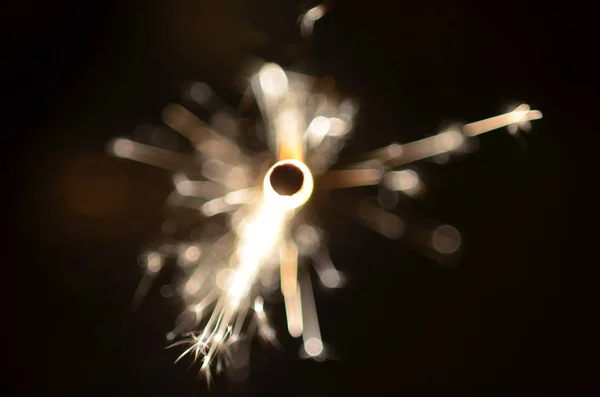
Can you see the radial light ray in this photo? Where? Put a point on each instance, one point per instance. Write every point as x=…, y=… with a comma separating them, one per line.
x=251, y=236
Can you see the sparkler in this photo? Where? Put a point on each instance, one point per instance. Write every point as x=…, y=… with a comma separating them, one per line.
x=261, y=197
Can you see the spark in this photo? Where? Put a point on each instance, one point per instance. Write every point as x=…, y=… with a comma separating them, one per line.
x=261, y=196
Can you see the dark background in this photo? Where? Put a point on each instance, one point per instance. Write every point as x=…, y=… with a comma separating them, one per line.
x=513, y=319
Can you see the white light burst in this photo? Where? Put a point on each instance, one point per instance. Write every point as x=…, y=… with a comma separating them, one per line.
x=259, y=200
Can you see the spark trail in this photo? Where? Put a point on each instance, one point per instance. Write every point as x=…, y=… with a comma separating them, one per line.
x=256, y=199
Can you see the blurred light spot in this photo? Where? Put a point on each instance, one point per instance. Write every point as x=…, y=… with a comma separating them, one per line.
x=154, y=262
x=446, y=239
x=258, y=304
x=394, y=150
x=176, y=116
x=331, y=278
x=338, y=127
x=122, y=147
x=449, y=140
x=405, y=181
x=185, y=188
x=192, y=253
x=179, y=177
x=317, y=130
x=313, y=347
x=167, y=291
x=273, y=80
x=200, y=92
x=307, y=239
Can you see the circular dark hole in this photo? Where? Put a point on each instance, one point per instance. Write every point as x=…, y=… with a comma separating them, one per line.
x=286, y=179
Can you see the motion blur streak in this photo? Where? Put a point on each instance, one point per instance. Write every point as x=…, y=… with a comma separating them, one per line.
x=248, y=203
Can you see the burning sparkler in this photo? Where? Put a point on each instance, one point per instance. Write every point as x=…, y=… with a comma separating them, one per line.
x=261, y=196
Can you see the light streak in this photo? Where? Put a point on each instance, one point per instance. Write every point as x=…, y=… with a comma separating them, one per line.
x=445, y=142
x=224, y=277
x=308, y=19
x=147, y=154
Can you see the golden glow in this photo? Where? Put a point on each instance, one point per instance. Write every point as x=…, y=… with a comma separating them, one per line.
x=289, y=269
x=259, y=235
x=288, y=128
x=296, y=200
x=288, y=266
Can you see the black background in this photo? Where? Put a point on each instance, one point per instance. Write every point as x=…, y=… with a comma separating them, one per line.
x=513, y=319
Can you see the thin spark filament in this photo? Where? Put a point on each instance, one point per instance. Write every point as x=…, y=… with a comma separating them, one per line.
x=396, y=155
